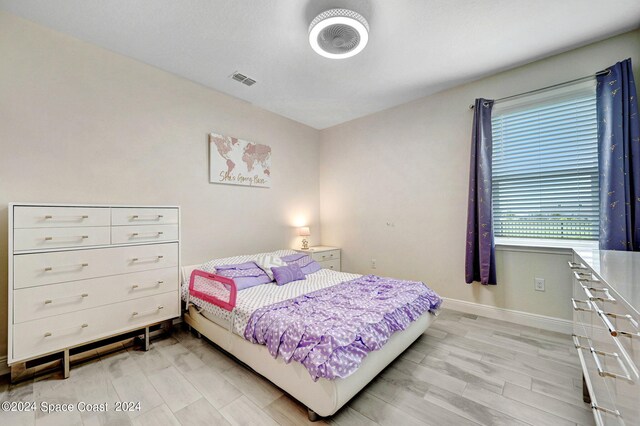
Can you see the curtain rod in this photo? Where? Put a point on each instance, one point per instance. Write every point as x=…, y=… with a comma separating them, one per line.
x=577, y=80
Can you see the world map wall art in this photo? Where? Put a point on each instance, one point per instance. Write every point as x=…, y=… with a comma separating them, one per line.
x=235, y=161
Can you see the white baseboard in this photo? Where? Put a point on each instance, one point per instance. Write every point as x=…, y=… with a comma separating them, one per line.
x=4, y=368
x=518, y=317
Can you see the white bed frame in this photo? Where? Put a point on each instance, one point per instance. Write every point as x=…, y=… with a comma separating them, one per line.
x=322, y=398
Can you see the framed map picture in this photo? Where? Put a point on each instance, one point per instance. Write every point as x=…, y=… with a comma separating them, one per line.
x=233, y=161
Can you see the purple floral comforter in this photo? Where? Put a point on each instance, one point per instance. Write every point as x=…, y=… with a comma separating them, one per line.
x=330, y=331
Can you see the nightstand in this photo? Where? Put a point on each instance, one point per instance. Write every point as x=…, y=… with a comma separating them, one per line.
x=327, y=257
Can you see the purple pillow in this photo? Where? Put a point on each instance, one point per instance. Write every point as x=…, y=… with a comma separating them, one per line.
x=244, y=275
x=286, y=274
x=304, y=261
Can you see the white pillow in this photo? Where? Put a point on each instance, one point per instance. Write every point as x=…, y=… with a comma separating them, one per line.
x=267, y=261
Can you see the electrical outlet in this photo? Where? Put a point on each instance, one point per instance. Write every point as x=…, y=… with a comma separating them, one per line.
x=373, y=264
x=538, y=284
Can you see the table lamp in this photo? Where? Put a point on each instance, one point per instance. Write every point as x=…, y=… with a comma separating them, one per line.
x=304, y=232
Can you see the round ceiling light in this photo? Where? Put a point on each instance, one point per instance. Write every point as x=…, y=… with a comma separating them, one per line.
x=338, y=33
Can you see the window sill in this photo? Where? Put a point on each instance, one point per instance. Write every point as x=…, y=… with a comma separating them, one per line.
x=543, y=245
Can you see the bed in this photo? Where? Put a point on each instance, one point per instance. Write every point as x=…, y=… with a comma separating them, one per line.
x=323, y=393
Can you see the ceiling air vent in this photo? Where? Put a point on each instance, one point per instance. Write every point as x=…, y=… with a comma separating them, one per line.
x=243, y=79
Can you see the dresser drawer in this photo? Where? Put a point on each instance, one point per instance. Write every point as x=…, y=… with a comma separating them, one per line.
x=627, y=397
x=601, y=395
x=326, y=255
x=56, y=299
x=331, y=264
x=626, y=326
x=56, y=217
x=35, y=338
x=49, y=268
x=48, y=238
x=143, y=216
x=583, y=314
x=143, y=233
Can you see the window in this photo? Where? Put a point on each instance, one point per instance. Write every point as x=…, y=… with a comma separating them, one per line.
x=545, y=165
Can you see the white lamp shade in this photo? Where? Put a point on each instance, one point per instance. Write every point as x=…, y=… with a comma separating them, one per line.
x=304, y=231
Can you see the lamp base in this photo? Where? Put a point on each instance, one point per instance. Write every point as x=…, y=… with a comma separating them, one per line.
x=305, y=244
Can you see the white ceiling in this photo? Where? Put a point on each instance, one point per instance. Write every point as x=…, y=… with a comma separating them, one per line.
x=416, y=47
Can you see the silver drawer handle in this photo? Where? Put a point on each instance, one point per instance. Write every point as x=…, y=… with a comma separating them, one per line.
x=50, y=333
x=150, y=259
x=81, y=217
x=580, y=276
x=631, y=320
x=137, y=287
x=82, y=296
x=629, y=334
x=137, y=234
x=596, y=407
x=147, y=217
x=574, y=265
x=78, y=237
x=576, y=341
x=607, y=323
x=608, y=298
x=585, y=277
x=575, y=302
x=604, y=373
x=590, y=296
x=152, y=311
x=81, y=265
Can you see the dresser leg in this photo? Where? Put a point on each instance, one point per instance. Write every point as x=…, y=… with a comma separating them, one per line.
x=146, y=339
x=312, y=415
x=167, y=327
x=585, y=391
x=19, y=372
x=65, y=364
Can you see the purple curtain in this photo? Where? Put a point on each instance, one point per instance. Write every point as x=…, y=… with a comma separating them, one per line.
x=619, y=158
x=480, y=255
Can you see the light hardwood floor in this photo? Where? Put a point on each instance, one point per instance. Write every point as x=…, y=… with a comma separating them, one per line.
x=465, y=370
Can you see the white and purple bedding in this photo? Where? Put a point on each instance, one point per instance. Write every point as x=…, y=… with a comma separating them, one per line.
x=328, y=322
x=330, y=331
x=251, y=299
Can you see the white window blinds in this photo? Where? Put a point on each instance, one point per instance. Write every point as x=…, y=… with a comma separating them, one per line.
x=545, y=165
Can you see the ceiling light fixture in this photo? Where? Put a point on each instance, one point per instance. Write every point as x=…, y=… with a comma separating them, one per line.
x=338, y=33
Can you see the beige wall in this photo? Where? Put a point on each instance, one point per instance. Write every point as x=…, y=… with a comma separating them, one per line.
x=409, y=166
x=79, y=124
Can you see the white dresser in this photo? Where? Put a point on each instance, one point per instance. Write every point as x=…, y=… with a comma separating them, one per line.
x=327, y=257
x=81, y=273
x=606, y=304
